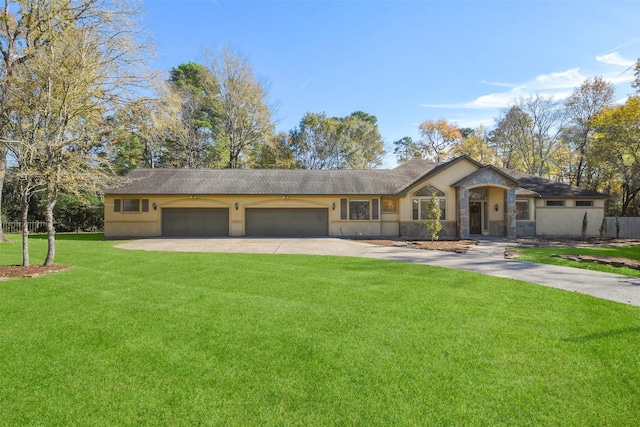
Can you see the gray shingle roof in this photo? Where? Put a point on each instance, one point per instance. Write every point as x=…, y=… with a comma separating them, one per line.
x=548, y=188
x=265, y=181
x=311, y=182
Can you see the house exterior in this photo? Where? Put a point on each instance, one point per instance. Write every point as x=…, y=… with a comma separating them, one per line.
x=475, y=199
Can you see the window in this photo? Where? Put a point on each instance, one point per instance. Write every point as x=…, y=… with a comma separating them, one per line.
x=420, y=209
x=584, y=203
x=522, y=210
x=421, y=201
x=555, y=203
x=131, y=205
x=389, y=205
x=478, y=194
x=360, y=209
x=428, y=190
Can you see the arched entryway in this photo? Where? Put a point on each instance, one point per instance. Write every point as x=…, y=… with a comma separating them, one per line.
x=486, y=201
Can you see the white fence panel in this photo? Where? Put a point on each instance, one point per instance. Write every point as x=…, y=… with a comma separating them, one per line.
x=15, y=227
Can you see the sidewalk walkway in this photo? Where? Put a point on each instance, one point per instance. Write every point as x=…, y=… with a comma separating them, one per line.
x=486, y=258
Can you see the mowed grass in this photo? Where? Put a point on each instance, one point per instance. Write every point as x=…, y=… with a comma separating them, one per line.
x=543, y=256
x=149, y=338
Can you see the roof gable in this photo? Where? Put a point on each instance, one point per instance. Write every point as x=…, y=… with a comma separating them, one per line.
x=487, y=175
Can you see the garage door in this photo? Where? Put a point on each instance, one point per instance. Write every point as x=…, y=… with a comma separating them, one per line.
x=287, y=222
x=197, y=222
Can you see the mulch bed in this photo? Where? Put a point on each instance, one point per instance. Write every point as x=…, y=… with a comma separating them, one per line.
x=605, y=260
x=13, y=271
x=458, y=246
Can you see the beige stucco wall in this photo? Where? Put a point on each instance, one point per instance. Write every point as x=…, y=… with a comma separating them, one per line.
x=149, y=224
x=567, y=221
x=442, y=181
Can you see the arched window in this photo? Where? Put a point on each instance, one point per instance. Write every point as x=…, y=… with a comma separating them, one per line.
x=420, y=200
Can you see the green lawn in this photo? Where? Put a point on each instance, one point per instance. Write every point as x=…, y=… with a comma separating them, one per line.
x=144, y=338
x=542, y=256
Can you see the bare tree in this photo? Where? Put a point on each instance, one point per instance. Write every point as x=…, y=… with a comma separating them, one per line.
x=245, y=113
x=528, y=134
x=60, y=95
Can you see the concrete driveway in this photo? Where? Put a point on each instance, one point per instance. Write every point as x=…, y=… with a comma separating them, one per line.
x=486, y=258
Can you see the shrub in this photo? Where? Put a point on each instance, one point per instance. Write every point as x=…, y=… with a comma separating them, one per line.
x=432, y=225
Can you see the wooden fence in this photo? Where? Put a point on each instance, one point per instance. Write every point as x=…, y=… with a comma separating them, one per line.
x=629, y=227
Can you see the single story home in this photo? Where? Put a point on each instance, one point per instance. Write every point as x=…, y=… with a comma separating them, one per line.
x=475, y=199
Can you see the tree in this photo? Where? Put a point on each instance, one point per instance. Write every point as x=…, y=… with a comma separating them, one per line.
x=87, y=58
x=360, y=143
x=584, y=103
x=406, y=149
x=244, y=112
x=527, y=135
x=475, y=145
x=432, y=224
x=322, y=142
x=200, y=143
x=145, y=132
x=617, y=143
x=437, y=138
x=275, y=153
x=314, y=143
x=636, y=82
x=513, y=130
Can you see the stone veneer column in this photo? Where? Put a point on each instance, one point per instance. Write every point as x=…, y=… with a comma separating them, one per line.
x=510, y=214
x=463, y=203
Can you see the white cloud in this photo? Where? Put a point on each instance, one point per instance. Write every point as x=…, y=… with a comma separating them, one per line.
x=614, y=58
x=559, y=85
x=562, y=80
x=493, y=100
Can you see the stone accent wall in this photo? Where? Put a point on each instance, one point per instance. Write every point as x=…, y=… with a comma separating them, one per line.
x=496, y=228
x=525, y=228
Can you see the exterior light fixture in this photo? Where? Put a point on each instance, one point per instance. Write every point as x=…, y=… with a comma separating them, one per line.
x=496, y=207
x=154, y=206
x=334, y=206
x=236, y=205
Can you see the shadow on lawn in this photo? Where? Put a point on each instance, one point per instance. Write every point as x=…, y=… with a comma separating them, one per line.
x=86, y=237
x=605, y=334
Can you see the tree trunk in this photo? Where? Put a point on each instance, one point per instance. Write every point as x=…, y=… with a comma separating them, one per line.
x=51, y=231
x=24, y=201
x=3, y=171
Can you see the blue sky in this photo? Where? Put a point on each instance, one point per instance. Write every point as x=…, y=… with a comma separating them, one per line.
x=407, y=61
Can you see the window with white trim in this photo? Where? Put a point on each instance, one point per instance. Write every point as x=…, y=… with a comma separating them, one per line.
x=360, y=209
x=420, y=201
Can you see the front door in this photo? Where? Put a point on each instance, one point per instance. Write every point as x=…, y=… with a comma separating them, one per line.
x=475, y=217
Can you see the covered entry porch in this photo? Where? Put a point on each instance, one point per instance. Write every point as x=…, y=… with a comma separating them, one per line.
x=486, y=204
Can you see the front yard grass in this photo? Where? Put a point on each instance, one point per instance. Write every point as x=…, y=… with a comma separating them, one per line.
x=152, y=338
x=542, y=255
